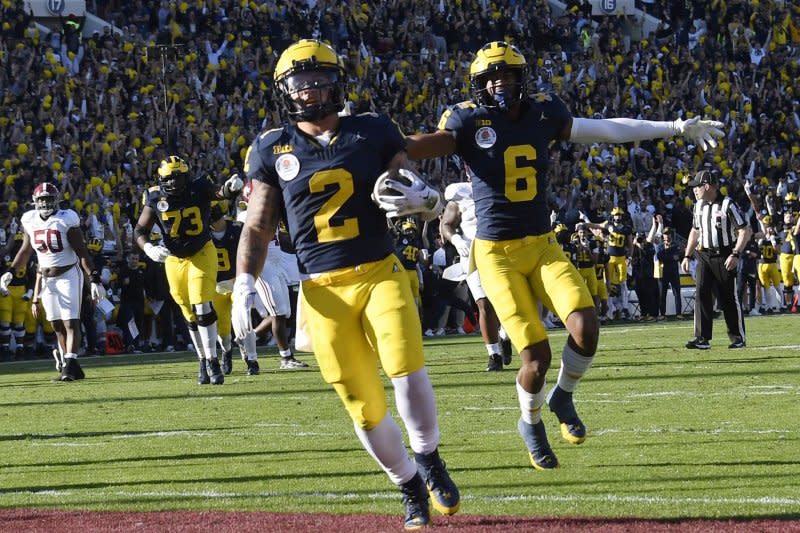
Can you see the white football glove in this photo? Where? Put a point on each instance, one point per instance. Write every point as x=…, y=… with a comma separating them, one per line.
x=748, y=187
x=406, y=194
x=245, y=298
x=460, y=245
x=5, y=281
x=702, y=132
x=232, y=186
x=98, y=292
x=28, y=295
x=157, y=253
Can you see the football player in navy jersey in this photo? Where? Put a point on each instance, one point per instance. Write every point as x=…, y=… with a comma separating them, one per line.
x=225, y=235
x=407, y=246
x=319, y=172
x=620, y=248
x=181, y=208
x=504, y=135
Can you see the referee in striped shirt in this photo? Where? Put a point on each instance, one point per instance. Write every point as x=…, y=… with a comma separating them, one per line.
x=719, y=234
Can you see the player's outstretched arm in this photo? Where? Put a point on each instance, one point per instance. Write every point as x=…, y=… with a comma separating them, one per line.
x=428, y=145
x=620, y=130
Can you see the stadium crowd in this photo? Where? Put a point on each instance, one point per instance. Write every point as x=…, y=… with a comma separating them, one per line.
x=90, y=113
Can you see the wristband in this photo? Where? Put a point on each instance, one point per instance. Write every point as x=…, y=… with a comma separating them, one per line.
x=735, y=254
x=95, y=276
x=689, y=257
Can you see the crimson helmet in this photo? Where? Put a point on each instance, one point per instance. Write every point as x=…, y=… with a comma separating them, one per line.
x=45, y=199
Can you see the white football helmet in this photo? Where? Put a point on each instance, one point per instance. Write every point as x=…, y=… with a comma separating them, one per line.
x=45, y=199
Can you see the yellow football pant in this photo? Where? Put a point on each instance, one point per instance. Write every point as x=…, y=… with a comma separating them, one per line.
x=617, y=269
x=518, y=273
x=193, y=280
x=361, y=316
x=768, y=275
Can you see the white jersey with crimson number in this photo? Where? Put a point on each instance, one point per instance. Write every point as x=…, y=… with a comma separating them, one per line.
x=49, y=236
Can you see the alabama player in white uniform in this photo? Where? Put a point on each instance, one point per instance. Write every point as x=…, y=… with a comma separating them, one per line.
x=279, y=271
x=55, y=235
x=460, y=215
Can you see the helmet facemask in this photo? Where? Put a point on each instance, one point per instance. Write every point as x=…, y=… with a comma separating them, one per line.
x=45, y=204
x=173, y=175
x=316, y=80
x=507, y=96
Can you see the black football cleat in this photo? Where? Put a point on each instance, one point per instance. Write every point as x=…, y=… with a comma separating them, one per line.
x=202, y=375
x=495, y=363
x=444, y=493
x=539, y=451
x=252, y=367
x=227, y=362
x=72, y=370
x=560, y=402
x=505, y=344
x=215, y=372
x=415, y=498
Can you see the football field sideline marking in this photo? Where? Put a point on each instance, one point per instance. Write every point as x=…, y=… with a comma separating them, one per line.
x=332, y=496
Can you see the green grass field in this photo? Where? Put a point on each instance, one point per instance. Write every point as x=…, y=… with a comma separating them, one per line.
x=673, y=433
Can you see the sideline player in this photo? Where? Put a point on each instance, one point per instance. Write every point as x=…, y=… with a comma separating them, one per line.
x=15, y=304
x=504, y=135
x=181, y=208
x=55, y=235
x=620, y=247
x=407, y=246
x=320, y=171
x=458, y=225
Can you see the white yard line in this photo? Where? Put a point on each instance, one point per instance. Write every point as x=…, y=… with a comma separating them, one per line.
x=333, y=496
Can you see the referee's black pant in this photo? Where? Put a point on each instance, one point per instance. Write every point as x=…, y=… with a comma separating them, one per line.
x=710, y=274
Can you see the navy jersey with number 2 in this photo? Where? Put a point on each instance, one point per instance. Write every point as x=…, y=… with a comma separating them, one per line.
x=326, y=190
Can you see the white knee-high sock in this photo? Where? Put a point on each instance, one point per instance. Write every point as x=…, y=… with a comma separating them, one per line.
x=385, y=444
x=247, y=347
x=198, y=346
x=208, y=338
x=416, y=405
x=225, y=342
x=531, y=404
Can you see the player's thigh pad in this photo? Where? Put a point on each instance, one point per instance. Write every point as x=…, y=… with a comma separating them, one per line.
x=222, y=305
x=559, y=285
x=413, y=282
x=786, y=269
x=61, y=295
x=18, y=306
x=5, y=307
x=202, y=274
x=504, y=268
x=590, y=278
x=618, y=269
x=359, y=316
x=278, y=295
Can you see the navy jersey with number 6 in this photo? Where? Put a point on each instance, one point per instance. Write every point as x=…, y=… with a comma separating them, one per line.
x=184, y=220
x=326, y=191
x=510, y=160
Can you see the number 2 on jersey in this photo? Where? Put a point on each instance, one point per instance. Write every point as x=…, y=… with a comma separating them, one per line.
x=348, y=228
x=520, y=178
